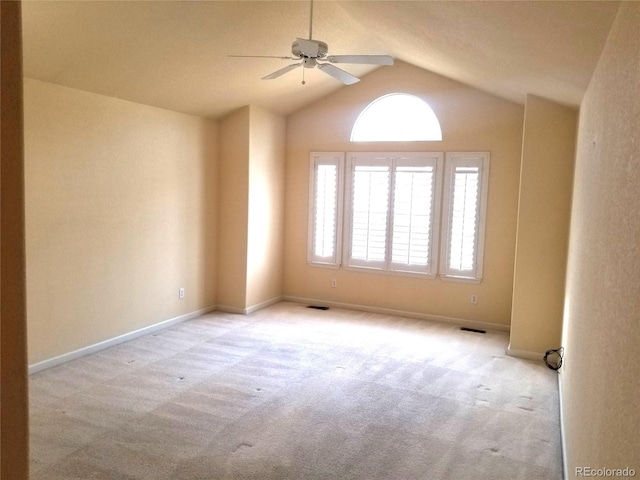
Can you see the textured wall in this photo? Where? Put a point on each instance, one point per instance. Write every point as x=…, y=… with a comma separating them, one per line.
x=120, y=213
x=233, y=210
x=251, y=209
x=600, y=380
x=546, y=177
x=471, y=120
x=266, y=207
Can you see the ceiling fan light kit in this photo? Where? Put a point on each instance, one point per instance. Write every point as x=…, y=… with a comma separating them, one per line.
x=309, y=53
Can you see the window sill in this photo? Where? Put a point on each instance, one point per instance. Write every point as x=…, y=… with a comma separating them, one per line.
x=451, y=278
x=400, y=273
x=332, y=266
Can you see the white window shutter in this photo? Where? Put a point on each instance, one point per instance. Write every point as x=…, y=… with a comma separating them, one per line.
x=464, y=219
x=326, y=200
x=393, y=207
x=466, y=181
x=416, y=208
x=370, y=210
x=412, y=215
x=325, y=207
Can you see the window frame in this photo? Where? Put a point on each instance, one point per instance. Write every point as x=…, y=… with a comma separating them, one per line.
x=393, y=160
x=453, y=160
x=316, y=159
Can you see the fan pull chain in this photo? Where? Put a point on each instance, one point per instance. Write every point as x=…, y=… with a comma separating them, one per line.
x=303, y=69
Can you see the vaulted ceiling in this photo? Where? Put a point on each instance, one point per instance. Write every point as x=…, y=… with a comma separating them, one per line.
x=174, y=55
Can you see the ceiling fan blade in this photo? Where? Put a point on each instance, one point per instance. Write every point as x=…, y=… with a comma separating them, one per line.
x=362, y=59
x=282, y=71
x=338, y=73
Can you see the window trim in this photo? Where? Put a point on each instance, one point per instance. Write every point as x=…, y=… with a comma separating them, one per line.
x=441, y=214
x=316, y=159
x=393, y=160
x=452, y=161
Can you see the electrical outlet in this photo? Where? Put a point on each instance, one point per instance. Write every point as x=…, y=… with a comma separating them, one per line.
x=181, y=293
x=334, y=283
x=474, y=299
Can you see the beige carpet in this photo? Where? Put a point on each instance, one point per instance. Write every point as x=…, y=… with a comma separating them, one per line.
x=295, y=393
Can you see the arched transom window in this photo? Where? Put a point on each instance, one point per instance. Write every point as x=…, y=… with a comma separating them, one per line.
x=397, y=117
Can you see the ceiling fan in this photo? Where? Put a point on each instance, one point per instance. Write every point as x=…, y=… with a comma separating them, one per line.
x=309, y=53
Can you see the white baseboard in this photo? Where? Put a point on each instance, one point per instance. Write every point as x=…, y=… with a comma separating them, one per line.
x=401, y=313
x=96, y=347
x=527, y=355
x=563, y=441
x=251, y=309
x=228, y=309
x=264, y=304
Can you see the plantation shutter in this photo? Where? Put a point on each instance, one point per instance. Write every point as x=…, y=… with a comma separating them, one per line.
x=465, y=204
x=464, y=219
x=326, y=197
x=414, y=213
x=370, y=210
x=325, y=207
x=393, y=203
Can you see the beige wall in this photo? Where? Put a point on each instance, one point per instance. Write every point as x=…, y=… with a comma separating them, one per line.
x=546, y=180
x=233, y=210
x=470, y=120
x=120, y=213
x=14, y=422
x=266, y=208
x=600, y=379
x=251, y=208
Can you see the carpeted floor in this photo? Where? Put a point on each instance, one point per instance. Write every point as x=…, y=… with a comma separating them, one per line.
x=292, y=393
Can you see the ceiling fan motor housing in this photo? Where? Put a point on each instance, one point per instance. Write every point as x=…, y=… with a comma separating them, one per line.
x=309, y=48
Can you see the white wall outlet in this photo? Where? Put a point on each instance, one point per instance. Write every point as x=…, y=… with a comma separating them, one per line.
x=334, y=283
x=181, y=293
x=474, y=299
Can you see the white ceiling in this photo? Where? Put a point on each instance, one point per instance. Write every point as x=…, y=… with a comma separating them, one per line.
x=174, y=54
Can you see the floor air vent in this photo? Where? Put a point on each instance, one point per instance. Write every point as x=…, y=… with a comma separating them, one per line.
x=475, y=330
x=318, y=307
